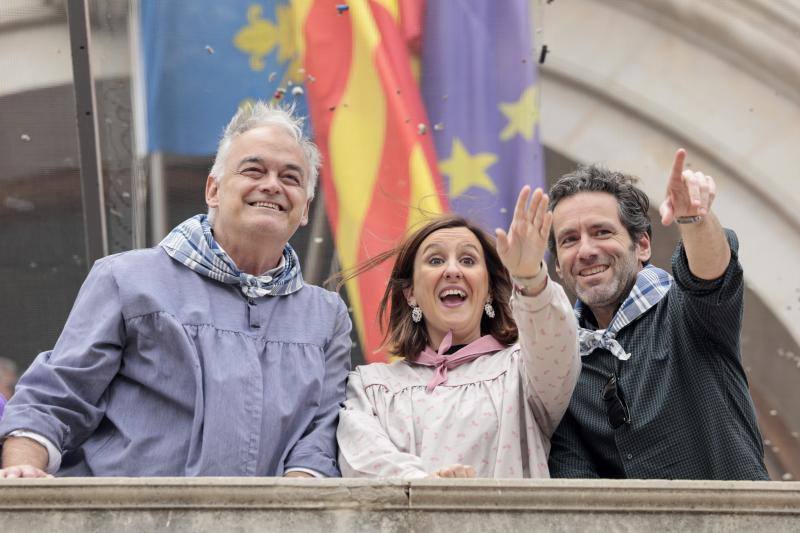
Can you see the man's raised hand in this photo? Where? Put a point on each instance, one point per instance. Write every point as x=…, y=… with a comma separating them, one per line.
x=689, y=193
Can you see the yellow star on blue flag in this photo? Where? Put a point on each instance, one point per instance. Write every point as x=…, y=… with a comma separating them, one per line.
x=495, y=115
x=522, y=115
x=467, y=170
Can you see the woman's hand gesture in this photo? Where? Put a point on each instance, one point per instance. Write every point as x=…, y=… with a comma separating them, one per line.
x=522, y=248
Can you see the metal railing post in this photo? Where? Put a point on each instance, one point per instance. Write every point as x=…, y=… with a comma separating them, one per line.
x=94, y=211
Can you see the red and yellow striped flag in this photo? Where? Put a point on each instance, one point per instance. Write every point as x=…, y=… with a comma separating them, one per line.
x=380, y=173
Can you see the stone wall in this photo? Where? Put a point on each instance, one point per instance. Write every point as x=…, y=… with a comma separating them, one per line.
x=337, y=505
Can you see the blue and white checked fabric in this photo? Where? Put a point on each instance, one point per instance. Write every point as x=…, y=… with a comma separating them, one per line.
x=192, y=244
x=651, y=285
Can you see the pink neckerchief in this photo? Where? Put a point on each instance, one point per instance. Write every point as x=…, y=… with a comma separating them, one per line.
x=427, y=357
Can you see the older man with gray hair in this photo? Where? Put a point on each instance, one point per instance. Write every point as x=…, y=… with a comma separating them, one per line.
x=204, y=356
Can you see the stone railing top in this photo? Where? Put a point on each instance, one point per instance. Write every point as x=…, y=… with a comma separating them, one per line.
x=554, y=495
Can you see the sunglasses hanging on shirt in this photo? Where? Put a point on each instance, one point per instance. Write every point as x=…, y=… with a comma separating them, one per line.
x=616, y=408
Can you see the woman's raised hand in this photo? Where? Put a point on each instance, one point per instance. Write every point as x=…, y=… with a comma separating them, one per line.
x=522, y=248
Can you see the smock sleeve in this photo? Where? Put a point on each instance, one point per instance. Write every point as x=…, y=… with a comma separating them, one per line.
x=365, y=449
x=548, y=341
x=316, y=449
x=62, y=396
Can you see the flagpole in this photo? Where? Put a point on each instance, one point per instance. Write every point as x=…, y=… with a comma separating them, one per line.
x=93, y=198
x=316, y=246
x=146, y=171
x=159, y=210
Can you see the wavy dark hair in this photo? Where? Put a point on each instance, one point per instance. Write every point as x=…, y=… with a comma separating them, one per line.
x=401, y=335
x=632, y=202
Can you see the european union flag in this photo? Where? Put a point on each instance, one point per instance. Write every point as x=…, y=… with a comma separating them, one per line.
x=479, y=87
x=204, y=58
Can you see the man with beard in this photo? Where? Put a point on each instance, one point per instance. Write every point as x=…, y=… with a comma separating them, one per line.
x=662, y=393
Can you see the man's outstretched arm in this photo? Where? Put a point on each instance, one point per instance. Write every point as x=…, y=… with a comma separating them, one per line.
x=689, y=198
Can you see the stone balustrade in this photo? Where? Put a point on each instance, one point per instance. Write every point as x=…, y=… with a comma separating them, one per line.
x=346, y=505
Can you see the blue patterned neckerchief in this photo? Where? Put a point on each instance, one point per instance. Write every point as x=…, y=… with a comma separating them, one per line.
x=651, y=285
x=192, y=244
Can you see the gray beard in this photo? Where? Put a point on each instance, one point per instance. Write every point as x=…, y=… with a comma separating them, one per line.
x=614, y=293
x=610, y=295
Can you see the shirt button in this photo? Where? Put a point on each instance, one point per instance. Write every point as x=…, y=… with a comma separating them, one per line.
x=629, y=456
x=251, y=301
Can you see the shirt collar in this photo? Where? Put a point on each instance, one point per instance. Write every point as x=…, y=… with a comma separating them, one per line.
x=273, y=271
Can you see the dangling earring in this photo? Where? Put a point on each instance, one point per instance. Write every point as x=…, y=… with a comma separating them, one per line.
x=416, y=314
x=488, y=309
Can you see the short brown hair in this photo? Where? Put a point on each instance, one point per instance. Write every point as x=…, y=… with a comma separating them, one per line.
x=406, y=338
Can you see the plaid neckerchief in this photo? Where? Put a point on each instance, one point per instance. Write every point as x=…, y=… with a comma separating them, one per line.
x=651, y=285
x=192, y=244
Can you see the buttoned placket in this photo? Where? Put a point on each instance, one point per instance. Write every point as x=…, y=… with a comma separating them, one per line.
x=254, y=407
x=622, y=435
x=254, y=309
x=252, y=313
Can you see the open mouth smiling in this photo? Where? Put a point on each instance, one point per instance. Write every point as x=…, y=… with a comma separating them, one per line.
x=266, y=205
x=591, y=271
x=452, y=297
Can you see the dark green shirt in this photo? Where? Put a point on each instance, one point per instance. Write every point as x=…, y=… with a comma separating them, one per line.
x=691, y=412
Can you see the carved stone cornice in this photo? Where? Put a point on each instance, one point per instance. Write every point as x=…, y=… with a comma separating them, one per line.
x=759, y=36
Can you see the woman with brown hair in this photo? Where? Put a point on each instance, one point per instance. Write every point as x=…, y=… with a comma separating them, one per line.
x=490, y=356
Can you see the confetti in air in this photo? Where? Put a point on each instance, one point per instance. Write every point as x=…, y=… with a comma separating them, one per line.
x=543, y=55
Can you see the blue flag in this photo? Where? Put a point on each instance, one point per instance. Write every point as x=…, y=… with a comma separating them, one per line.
x=205, y=58
x=479, y=86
